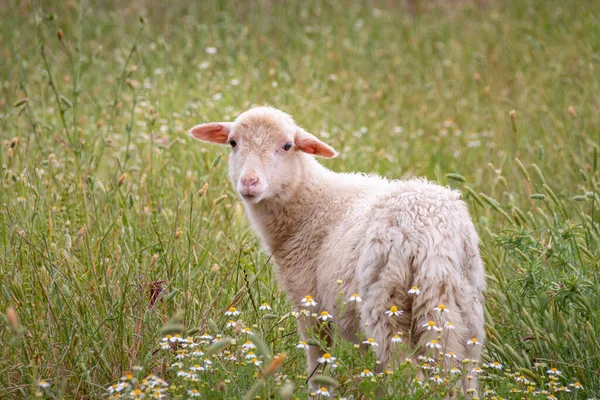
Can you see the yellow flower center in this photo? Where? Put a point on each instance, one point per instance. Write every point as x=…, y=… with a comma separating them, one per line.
x=366, y=371
x=431, y=323
x=442, y=307
x=327, y=356
x=232, y=309
x=415, y=288
x=394, y=309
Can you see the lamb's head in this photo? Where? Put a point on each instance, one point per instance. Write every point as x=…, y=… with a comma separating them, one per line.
x=268, y=151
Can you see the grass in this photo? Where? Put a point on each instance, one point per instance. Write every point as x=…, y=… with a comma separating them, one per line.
x=116, y=230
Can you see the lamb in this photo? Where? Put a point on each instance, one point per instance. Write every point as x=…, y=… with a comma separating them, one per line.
x=407, y=249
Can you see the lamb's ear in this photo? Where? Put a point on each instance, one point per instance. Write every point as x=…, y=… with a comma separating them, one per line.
x=213, y=132
x=308, y=143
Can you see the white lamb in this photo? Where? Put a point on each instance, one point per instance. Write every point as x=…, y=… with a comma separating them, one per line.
x=407, y=249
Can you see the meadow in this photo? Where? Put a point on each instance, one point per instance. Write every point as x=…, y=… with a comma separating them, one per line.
x=124, y=249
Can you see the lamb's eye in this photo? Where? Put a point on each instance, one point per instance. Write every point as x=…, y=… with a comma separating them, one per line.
x=232, y=143
x=287, y=146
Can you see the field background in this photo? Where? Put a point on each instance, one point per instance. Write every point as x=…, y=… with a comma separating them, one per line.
x=97, y=175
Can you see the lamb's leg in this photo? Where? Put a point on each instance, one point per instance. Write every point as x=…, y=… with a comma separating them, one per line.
x=383, y=275
x=448, y=303
x=307, y=327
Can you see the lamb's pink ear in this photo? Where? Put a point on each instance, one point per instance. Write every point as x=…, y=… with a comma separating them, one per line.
x=308, y=143
x=213, y=132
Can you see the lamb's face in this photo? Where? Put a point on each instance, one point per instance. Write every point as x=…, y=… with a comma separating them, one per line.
x=266, y=151
x=263, y=159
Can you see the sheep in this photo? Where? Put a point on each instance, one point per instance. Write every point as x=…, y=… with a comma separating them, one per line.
x=405, y=251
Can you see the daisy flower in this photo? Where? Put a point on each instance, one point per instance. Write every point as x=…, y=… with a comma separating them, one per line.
x=326, y=359
x=302, y=345
x=194, y=393
x=449, y=325
x=247, y=330
x=355, y=297
x=308, y=301
x=366, y=374
x=256, y=361
x=414, y=290
x=325, y=316
x=431, y=325
x=436, y=379
x=473, y=342
x=553, y=371
x=44, y=384
x=323, y=392
x=248, y=345
x=250, y=355
x=393, y=312
x=441, y=308
x=230, y=324
x=232, y=311
x=576, y=385
x=371, y=342
x=265, y=306
x=434, y=344
x=396, y=339
x=455, y=371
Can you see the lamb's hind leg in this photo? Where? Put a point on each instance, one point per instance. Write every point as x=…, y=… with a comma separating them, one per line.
x=383, y=274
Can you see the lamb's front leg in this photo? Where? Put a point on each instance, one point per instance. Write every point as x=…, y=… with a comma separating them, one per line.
x=306, y=327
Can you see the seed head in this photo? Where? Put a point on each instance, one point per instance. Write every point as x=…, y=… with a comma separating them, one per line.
x=12, y=318
x=60, y=34
x=122, y=180
x=178, y=234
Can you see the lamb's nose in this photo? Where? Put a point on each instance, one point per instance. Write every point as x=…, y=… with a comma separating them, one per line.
x=249, y=181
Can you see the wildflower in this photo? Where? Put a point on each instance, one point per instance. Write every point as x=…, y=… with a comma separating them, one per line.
x=366, y=373
x=455, y=371
x=396, y=339
x=437, y=379
x=44, y=384
x=434, y=344
x=248, y=345
x=265, y=306
x=355, y=297
x=323, y=392
x=449, y=325
x=326, y=358
x=295, y=314
x=302, y=345
x=553, y=371
x=196, y=368
x=414, y=290
x=371, y=342
x=230, y=324
x=473, y=342
x=495, y=365
x=206, y=336
x=211, y=50
x=393, y=312
x=476, y=370
x=247, y=331
x=308, y=301
x=256, y=361
x=450, y=355
x=194, y=393
x=232, y=311
x=576, y=385
x=325, y=316
x=250, y=355
x=441, y=308
x=431, y=325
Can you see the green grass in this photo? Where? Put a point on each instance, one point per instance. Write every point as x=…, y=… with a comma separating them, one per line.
x=106, y=245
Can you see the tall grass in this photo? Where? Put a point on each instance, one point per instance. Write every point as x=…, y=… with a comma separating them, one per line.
x=116, y=231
